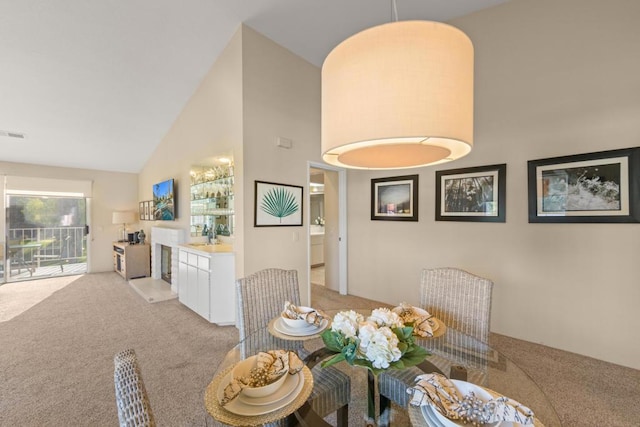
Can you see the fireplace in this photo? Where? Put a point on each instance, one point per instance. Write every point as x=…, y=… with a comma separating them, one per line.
x=165, y=263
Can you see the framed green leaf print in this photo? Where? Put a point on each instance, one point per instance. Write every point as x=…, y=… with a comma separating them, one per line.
x=277, y=205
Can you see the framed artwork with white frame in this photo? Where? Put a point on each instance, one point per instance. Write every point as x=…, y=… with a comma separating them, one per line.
x=395, y=198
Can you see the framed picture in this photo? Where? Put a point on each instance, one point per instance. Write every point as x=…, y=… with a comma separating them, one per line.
x=592, y=187
x=472, y=194
x=141, y=209
x=277, y=205
x=395, y=198
x=147, y=210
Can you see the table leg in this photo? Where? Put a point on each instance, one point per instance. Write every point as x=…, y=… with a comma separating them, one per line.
x=371, y=396
x=306, y=417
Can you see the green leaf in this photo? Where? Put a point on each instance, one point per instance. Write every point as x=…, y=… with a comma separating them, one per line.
x=335, y=359
x=334, y=341
x=349, y=352
x=414, y=356
x=398, y=364
x=404, y=334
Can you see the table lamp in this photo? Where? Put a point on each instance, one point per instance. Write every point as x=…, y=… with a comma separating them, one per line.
x=124, y=218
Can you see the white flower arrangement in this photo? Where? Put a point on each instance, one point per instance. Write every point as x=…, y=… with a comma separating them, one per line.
x=379, y=342
x=319, y=221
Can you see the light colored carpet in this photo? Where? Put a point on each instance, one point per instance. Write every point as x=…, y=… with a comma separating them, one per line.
x=153, y=290
x=18, y=297
x=57, y=360
x=57, y=357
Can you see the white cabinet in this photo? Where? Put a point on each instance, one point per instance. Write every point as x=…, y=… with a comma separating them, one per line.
x=206, y=284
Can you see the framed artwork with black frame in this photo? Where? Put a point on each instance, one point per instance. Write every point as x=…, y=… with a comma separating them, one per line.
x=141, y=209
x=395, y=198
x=586, y=188
x=277, y=205
x=472, y=194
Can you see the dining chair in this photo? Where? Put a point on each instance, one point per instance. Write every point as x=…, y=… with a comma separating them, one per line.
x=260, y=297
x=131, y=396
x=462, y=301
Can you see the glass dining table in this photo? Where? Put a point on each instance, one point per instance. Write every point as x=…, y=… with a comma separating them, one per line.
x=451, y=353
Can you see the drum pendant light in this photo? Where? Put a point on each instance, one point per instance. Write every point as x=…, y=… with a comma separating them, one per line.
x=398, y=95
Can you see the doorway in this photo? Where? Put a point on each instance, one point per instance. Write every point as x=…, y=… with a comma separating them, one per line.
x=327, y=226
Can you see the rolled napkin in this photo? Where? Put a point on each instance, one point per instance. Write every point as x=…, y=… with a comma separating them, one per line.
x=417, y=316
x=270, y=366
x=314, y=317
x=440, y=392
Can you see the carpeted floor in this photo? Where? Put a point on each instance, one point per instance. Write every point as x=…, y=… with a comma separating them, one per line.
x=57, y=359
x=18, y=297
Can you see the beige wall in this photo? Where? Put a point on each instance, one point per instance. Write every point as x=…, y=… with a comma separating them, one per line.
x=255, y=92
x=281, y=98
x=111, y=191
x=210, y=125
x=552, y=78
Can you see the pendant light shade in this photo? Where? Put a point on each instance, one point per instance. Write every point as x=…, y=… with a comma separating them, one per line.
x=399, y=95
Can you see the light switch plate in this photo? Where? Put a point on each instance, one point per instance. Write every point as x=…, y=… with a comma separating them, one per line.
x=284, y=142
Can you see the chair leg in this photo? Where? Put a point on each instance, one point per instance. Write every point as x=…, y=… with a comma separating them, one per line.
x=342, y=416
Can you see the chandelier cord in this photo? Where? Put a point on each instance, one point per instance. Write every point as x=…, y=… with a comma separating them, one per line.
x=394, y=11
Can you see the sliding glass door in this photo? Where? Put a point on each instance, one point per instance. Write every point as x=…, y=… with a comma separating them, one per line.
x=46, y=235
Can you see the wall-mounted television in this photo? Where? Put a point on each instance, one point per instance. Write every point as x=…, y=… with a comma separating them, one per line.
x=164, y=208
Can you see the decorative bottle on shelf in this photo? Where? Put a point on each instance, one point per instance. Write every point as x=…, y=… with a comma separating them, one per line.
x=141, y=237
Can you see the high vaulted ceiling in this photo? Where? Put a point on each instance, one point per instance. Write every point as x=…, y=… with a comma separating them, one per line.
x=97, y=84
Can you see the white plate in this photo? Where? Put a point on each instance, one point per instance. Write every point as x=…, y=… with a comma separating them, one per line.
x=285, y=390
x=306, y=326
x=239, y=407
x=427, y=413
x=283, y=328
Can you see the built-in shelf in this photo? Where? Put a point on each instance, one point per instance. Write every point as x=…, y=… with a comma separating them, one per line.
x=212, y=200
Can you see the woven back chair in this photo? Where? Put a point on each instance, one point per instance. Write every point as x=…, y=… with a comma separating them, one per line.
x=463, y=302
x=131, y=396
x=260, y=297
x=458, y=298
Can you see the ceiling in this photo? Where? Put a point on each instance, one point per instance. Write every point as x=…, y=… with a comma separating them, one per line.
x=97, y=84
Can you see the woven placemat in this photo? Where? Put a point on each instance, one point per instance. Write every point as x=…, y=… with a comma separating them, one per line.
x=278, y=334
x=220, y=414
x=442, y=328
